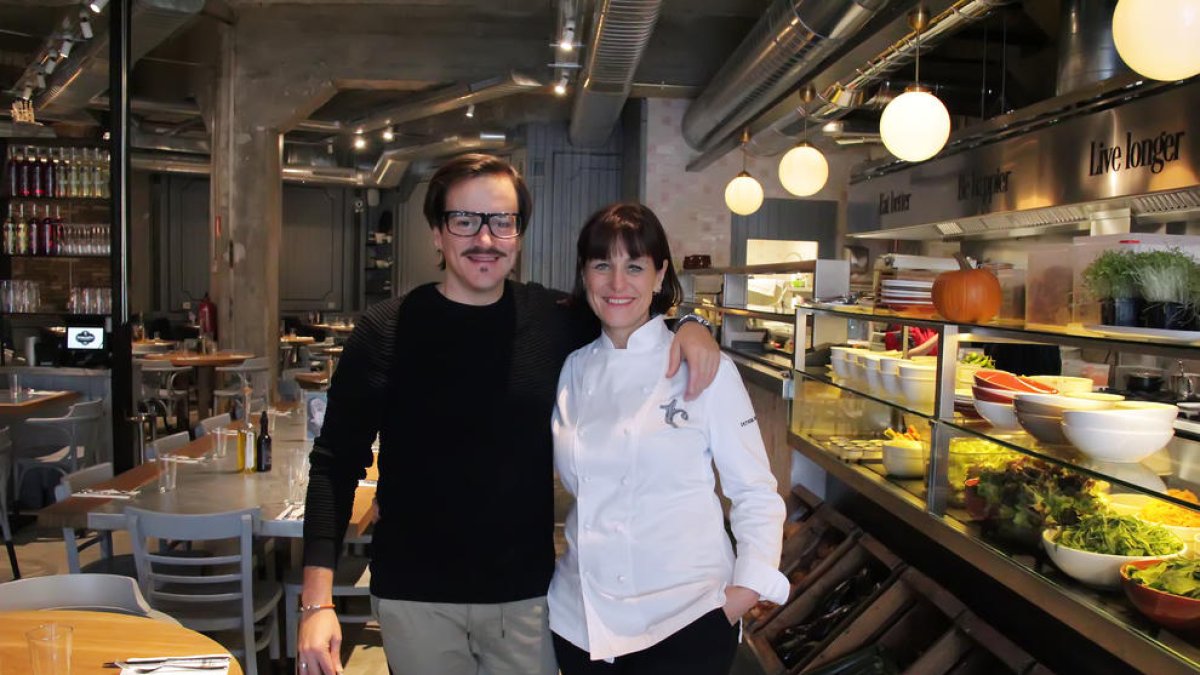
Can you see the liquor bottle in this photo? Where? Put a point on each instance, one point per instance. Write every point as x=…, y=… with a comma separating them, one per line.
x=49, y=188
x=12, y=169
x=84, y=167
x=10, y=233
x=23, y=174
x=245, y=437
x=64, y=176
x=56, y=172
x=98, y=182
x=262, y=454
x=73, y=175
x=33, y=161
x=48, y=240
x=60, y=231
x=22, y=232
x=34, y=231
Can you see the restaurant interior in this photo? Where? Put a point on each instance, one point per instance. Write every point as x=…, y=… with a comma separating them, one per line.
x=952, y=247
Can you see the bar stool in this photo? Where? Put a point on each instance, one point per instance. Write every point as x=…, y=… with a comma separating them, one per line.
x=78, y=427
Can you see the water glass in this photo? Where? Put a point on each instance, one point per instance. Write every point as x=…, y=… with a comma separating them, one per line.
x=168, y=470
x=297, y=477
x=14, y=386
x=226, y=441
x=50, y=649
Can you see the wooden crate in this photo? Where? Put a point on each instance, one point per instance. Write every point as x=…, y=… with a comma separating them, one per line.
x=865, y=550
x=800, y=552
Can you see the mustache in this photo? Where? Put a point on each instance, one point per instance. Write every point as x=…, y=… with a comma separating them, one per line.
x=479, y=250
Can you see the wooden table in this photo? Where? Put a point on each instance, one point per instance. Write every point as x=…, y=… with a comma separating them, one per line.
x=205, y=365
x=297, y=339
x=313, y=381
x=151, y=346
x=100, y=637
x=212, y=487
x=31, y=401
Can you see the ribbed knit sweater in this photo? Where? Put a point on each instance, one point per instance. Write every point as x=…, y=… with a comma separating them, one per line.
x=461, y=398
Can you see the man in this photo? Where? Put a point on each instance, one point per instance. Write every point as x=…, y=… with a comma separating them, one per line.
x=458, y=380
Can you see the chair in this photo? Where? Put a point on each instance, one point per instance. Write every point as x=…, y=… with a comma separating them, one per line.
x=76, y=541
x=161, y=384
x=78, y=427
x=224, y=596
x=90, y=592
x=352, y=578
x=210, y=424
x=5, y=528
x=253, y=373
x=169, y=443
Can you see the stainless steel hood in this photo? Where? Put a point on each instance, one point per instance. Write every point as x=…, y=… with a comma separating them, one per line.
x=1121, y=145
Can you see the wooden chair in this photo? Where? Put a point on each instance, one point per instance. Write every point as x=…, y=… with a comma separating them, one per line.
x=224, y=599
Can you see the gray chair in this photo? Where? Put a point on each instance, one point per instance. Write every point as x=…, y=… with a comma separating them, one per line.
x=252, y=373
x=210, y=424
x=224, y=597
x=78, y=428
x=168, y=444
x=352, y=578
x=90, y=592
x=77, y=541
x=161, y=383
x=5, y=472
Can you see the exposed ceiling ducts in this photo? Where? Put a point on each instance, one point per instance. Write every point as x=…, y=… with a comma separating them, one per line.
x=621, y=29
x=84, y=75
x=447, y=99
x=1086, y=52
x=787, y=44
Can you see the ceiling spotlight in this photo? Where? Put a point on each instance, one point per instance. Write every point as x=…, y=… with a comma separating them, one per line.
x=51, y=63
x=560, y=87
x=567, y=42
x=106, y=136
x=65, y=50
x=27, y=93
x=329, y=148
x=97, y=6
x=85, y=25
x=388, y=135
x=471, y=110
x=360, y=143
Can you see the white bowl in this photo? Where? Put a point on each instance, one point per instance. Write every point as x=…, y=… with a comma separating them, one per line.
x=1159, y=416
x=1045, y=428
x=1094, y=569
x=905, y=461
x=917, y=371
x=1066, y=385
x=874, y=379
x=841, y=367
x=1055, y=404
x=1130, y=504
x=918, y=392
x=1113, y=445
x=891, y=385
x=1000, y=415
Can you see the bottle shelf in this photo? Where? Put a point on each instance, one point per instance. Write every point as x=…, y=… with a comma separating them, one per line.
x=79, y=201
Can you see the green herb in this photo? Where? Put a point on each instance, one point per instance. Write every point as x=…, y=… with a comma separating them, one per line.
x=1178, y=576
x=1111, y=275
x=977, y=359
x=1026, y=495
x=1164, y=275
x=1119, y=535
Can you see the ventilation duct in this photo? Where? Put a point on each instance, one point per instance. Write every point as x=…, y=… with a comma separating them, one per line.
x=787, y=119
x=447, y=99
x=621, y=29
x=85, y=75
x=787, y=44
x=1086, y=53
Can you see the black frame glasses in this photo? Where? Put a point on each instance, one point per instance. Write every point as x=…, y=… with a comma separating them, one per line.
x=482, y=218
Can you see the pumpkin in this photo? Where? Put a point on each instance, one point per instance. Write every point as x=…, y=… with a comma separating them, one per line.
x=967, y=295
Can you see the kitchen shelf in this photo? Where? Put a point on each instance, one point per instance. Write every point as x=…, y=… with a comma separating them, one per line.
x=748, y=312
x=61, y=201
x=56, y=257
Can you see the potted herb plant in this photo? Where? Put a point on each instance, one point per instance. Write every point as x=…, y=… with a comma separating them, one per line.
x=1165, y=280
x=1111, y=278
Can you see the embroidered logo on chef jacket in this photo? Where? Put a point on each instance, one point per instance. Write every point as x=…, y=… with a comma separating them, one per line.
x=672, y=412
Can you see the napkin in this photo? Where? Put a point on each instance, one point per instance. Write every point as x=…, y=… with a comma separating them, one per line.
x=106, y=494
x=295, y=512
x=209, y=664
x=188, y=460
x=367, y=482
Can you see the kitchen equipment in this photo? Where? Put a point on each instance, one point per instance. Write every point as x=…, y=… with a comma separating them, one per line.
x=1144, y=382
x=697, y=262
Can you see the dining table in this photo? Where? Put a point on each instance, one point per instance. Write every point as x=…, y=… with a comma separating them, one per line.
x=25, y=402
x=205, y=366
x=98, y=638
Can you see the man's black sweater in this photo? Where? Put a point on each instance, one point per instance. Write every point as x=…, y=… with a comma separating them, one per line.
x=461, y=397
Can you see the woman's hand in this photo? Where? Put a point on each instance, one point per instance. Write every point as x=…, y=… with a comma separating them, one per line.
x=738, y=601
x=695, y=345
x=319, y=645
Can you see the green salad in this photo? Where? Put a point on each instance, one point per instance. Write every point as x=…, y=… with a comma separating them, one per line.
x=1178, y=576
x=1119, y=535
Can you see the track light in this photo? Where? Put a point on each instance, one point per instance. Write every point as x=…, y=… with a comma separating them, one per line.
x=51, y=63
x=97, y=6
x=85, y=25
x=65, y=50
x=567, y=42
x=471, y=110
x=560, y=87
x=360, y=143
x=329, y=148
x=40, y=79
x=388, y=135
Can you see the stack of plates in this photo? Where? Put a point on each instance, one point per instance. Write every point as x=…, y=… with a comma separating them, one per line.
x=907, y=294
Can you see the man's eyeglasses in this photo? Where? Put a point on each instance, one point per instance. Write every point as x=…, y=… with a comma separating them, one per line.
x=468, y=223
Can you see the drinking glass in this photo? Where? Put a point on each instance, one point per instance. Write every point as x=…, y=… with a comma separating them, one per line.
x=167, y=472
x=226, y=441
x=50, y=649
x=297, y=476
x=14, y=386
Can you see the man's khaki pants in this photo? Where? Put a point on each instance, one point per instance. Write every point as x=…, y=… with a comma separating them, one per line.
x=432, y=638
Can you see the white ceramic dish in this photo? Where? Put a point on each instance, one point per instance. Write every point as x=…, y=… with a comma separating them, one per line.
x=1066, y=385
x=1151, y=417
x=1055, y=404
x=1094, y=569
x=1045, y=428
x=918, y=392
x=904, y=461
x=1112, y=445
x=917, y=371
x=906, y=283
x=1001, y=416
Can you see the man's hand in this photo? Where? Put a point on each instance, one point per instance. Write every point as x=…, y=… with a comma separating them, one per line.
x=695, y=345
x=319, y=644
x=738, y=601
x=375, y=514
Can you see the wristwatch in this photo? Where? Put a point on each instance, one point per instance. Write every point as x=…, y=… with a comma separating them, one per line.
x=688, y=318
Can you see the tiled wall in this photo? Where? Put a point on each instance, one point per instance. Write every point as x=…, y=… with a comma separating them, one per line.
x=692, y=205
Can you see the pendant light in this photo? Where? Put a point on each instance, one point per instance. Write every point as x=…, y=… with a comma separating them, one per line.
x=744, y=195
x=1157, y=38
x=915, y=125
x=803, y=170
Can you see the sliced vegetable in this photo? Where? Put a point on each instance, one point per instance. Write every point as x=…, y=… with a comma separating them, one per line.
x=1119, y=535
x=1178, y=576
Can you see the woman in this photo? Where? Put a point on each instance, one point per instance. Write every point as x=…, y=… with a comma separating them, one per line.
x=650, y=582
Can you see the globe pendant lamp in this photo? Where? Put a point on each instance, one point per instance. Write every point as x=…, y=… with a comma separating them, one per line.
x=1159, y=39
x=803, y=170
x=915, y=125
x=744, y=195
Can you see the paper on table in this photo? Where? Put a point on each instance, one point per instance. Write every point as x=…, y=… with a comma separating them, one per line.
x=188, y=460
x=105, y=494
x=291, y=513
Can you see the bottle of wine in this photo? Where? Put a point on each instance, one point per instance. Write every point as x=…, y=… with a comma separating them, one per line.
x=49, y=179
x=34, y=230
x=23, y=188
x=84, y=169
x=22, y=232
x=48, y=240
x=262, y=454
x=10, y=233
x=33, y=161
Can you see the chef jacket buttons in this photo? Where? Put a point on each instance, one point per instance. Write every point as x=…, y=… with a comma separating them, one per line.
x=621, y=577
x=625, y=480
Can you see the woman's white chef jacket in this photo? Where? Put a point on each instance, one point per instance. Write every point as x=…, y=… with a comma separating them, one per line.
x=647, y=549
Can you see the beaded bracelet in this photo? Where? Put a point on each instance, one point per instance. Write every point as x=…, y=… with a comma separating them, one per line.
x=312, y=608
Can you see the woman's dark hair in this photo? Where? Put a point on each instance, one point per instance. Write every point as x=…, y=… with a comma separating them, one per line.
x=465, y=167
x=634, y=228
